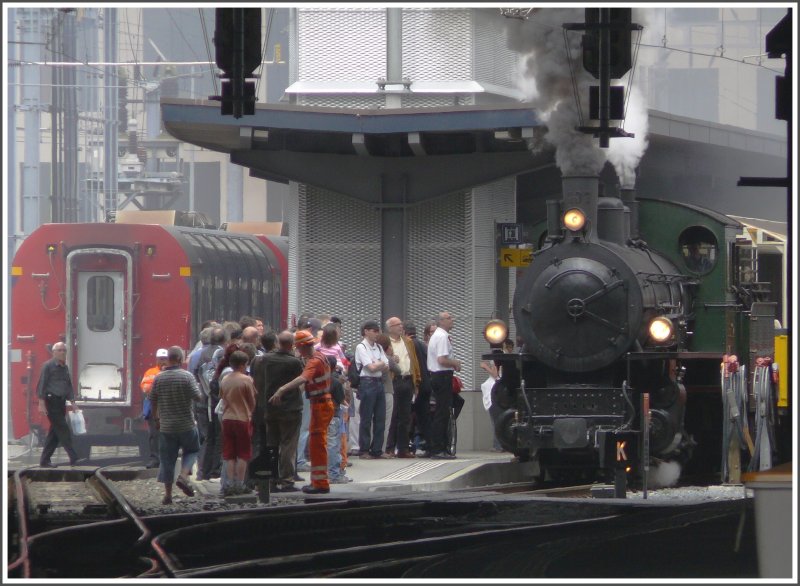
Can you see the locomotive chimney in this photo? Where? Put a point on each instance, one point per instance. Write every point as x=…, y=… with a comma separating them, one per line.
x=581, y=192
x=628, y=196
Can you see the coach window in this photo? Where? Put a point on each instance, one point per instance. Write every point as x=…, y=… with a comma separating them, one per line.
x=698, y=246
x=100, y=303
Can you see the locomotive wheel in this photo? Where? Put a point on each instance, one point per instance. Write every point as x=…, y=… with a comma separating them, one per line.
x=504, y=433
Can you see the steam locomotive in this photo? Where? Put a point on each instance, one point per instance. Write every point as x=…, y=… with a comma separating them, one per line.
x=627, y=311
x=117, y=292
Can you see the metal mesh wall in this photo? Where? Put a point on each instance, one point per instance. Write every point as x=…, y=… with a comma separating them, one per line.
x=437, y=43
x=440, y=269
x=341, y=44
x=339, y=258
x=494, y=62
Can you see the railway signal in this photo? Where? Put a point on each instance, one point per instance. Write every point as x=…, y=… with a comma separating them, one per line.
x=237, y=38
x=606, y=55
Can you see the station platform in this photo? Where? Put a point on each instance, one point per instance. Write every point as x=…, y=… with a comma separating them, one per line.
x=384, y=476
x=400, y=476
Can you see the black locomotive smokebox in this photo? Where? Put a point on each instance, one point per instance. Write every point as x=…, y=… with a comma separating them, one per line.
x=578, y=306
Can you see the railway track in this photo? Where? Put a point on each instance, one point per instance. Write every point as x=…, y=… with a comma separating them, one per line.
x=68, y=520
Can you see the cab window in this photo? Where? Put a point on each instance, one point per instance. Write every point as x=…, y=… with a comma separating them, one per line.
x=698, y=247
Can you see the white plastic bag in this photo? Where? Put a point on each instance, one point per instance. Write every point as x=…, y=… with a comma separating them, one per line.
x=76, y=422
x=486, y=390
x=220, y=408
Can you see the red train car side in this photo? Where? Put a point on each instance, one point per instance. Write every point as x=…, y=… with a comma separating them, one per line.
x=117, y=292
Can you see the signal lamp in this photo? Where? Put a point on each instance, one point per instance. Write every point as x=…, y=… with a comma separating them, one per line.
x=150, y=250
x=661, y=329
x=574, y=219
x=495, y=332
x=51, y=248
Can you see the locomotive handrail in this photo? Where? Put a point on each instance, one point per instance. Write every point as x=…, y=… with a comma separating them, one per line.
x=685, y=354
x=723, y=305
x=162, y=276
x=22, y=337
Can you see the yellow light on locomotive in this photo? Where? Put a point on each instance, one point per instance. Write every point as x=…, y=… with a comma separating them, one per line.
x=495, y=332
x=574, y=219
x=661, y=329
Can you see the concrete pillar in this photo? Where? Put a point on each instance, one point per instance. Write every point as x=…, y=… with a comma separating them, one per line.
x=394, y=246
x=394, y=52
x=235, y=193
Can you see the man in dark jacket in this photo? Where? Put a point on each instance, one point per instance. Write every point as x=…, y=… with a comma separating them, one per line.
x=270, y=373
x=421, y=407
x=54, y=390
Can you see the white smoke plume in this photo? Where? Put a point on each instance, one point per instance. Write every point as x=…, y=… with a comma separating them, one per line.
x=625, y=153
x=547, y=82
x=663, y=475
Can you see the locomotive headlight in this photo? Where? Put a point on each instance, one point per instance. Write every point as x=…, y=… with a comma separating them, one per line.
x=574, y=219
x=495, y=332
x=661, y=329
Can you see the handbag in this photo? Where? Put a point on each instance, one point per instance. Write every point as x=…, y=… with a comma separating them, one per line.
x=76, y=422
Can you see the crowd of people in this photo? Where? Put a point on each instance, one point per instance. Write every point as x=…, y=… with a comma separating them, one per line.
x=299, y=392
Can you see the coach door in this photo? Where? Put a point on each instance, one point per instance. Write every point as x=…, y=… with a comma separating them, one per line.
x=99, y=325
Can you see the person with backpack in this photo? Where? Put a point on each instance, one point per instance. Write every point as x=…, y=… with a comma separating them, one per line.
x=204, y=373
x=336, y=474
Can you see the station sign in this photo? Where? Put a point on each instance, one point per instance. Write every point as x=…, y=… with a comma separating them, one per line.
x=515, y=257
x=510, y=233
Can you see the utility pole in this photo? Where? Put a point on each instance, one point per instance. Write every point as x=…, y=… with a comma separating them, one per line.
x=11, y=136
x=111, y=114
x=32, y=39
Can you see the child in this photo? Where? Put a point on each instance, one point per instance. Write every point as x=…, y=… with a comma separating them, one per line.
x=239, y=396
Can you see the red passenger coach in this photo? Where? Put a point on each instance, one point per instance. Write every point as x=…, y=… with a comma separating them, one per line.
x=115, y=293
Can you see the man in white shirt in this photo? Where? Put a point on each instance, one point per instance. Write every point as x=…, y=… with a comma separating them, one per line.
x=441, y=365
x=371, y=362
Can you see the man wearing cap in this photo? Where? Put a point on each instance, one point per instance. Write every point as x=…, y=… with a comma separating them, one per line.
x=371, y=362
x=146, y=385
x=316, y=377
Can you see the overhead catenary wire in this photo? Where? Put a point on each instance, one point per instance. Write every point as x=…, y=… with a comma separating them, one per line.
x=208, y=51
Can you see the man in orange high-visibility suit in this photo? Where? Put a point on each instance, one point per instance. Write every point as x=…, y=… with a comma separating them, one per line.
x=146, y=385
x=316, y=377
